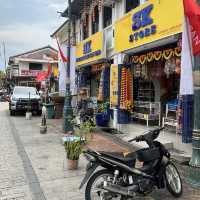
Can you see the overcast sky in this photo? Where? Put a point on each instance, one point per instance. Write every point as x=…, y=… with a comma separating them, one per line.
x=28, y=24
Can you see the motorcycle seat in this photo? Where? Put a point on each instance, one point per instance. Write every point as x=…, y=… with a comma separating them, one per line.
x=128, y=159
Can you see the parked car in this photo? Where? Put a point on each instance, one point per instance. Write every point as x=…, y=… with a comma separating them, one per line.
x=24, y=98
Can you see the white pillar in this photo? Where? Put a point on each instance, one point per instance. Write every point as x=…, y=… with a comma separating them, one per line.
x=101, y=20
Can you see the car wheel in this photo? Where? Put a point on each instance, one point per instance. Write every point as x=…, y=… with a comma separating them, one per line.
x=12, y=112
x=39, y=112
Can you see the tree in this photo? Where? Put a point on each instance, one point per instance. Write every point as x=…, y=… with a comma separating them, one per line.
x=2, y=78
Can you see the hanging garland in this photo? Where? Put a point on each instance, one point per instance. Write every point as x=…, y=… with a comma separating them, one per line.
x=167, y=54
x=177, y=51
x=143, y=59
x=123, y=88
x=126, y=94
x=135, y=59
x=150, y=56
x=157, y=55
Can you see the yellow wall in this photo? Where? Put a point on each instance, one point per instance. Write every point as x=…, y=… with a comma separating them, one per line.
x=167, y=15
x=97, y=41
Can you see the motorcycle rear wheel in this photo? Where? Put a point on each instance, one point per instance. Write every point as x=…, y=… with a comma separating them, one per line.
x=173, y=180
x=104, y=173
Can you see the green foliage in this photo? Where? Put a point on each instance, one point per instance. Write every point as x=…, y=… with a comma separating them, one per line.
x=73, y=149
x=2, y=77
x=103, y=107
x=88, y=126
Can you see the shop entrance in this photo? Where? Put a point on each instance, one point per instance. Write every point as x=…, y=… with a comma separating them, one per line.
x=156, y=76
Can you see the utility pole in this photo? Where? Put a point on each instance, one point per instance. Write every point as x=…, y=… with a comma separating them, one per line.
x=4, y=53
x=67, y=110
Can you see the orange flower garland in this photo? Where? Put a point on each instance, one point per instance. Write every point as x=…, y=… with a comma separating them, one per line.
x=150, y=56
x=142, y=59
x=157, y=55
x=167, y=54
x=177, y=51
x=126, y=96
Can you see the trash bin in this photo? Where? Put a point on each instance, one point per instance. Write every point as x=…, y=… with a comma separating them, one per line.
x=50, y=110
x=59, y=110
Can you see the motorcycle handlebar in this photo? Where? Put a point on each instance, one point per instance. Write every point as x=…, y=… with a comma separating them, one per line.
x=142, y=138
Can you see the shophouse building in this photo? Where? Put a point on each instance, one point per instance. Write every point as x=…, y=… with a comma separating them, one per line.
x=23, y=68
x=139, y=43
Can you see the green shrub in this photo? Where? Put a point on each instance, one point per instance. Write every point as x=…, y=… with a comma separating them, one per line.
x=73, y=149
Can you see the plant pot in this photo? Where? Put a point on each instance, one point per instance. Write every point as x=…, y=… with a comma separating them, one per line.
x=102, y=119
x=72, y=164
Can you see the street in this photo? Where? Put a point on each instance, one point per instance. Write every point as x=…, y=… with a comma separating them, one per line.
x=33, y=166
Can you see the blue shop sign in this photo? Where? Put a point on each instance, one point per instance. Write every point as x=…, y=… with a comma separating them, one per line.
x=87, y=47
x=141, y=19
x=87, y=51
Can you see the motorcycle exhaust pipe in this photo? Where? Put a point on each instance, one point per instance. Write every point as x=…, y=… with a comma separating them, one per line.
x=125, y=191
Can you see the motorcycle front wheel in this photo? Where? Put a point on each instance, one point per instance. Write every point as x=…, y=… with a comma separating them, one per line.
x=173, y=180
x=94, y=190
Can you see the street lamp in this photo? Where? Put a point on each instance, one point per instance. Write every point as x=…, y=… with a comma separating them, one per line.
x=67, y=110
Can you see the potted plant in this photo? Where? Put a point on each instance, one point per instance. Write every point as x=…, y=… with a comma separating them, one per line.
x=87, y=128
x=103, y=114
x=73, y=150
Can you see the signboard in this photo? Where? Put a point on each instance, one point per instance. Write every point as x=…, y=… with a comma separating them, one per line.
x=90, y=50
x=149, y=22
x=114, y=76
x=29, y=72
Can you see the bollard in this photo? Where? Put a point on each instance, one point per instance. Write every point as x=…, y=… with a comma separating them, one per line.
x=28, y=115
x=43, y=126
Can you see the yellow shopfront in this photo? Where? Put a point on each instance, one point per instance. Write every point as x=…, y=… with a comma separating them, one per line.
x=90, y=62
x=151, y=36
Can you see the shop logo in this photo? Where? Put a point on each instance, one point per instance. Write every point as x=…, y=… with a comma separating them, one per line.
x=140, y=20
x=87, y=47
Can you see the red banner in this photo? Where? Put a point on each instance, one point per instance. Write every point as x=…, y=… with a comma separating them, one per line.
x=192, y=11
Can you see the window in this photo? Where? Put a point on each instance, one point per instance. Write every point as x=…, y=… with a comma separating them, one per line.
x=35, y=66
x=107, y=16
x=86, y=27
x=95, y=20
x=131, y=4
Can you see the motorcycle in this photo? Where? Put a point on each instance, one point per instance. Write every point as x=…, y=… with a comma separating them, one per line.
x=125, y=176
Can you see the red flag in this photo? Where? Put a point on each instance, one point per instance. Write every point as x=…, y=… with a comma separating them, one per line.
x=192, y=11
x=64, y=59
x=43, y=75
x=49, y=69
